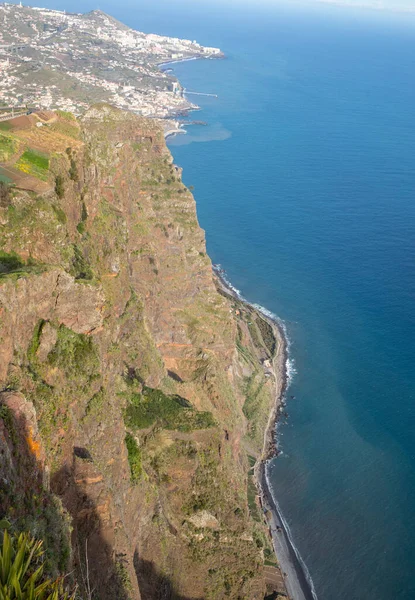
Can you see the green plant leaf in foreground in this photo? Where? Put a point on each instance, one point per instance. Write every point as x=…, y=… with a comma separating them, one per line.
x=21, y=570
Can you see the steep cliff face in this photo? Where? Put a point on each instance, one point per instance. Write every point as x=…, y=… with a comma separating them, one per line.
x=131, y=387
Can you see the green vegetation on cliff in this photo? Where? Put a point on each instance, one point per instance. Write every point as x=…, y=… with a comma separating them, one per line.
x=76, y=355
x=168, y=411
x=70, y=368
x=134, y=458
x=136, y=387
x=34, y=163
x=12, y=265
x=7, y=147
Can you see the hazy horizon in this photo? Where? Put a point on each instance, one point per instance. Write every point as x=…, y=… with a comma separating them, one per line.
x=379, y=5
x=383, y=5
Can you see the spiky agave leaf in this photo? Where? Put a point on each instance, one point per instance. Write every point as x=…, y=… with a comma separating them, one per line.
x=21, y=570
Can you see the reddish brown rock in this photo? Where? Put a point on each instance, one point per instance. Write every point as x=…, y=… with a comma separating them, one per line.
x=123, y=260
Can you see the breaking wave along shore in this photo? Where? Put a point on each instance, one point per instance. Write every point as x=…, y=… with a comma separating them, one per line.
x=297, y=577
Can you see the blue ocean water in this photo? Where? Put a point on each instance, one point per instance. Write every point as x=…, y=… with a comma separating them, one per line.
x=305, y=184
x=309, y=205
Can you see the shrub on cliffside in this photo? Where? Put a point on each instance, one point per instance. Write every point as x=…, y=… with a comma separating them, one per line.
x=59, y=186
x=4, y=194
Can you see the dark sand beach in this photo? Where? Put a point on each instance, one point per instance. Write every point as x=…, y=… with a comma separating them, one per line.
x=297, y=580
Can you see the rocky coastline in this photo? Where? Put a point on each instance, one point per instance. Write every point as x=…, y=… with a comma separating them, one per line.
x=296, y=577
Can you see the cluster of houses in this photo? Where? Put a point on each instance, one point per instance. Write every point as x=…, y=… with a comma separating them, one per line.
x=68, y=61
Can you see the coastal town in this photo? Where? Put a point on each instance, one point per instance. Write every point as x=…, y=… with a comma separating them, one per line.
x=57, y=60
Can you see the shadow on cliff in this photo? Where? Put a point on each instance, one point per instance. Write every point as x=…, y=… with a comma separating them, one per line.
x=25, y=499
x=152, y=584
x=29, y=501
x=100, y=573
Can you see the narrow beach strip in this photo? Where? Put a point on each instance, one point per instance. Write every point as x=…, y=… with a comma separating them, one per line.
x=297, y=579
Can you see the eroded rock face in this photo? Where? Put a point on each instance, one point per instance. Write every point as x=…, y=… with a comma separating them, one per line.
x=204, y=520
x=22, y=423
x=53, y=295
x=24, y=414
x=127, y=315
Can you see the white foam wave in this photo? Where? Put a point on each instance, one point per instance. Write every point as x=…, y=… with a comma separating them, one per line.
x=176, y=62
x=290, y=369
x=290, y=373
x=288, y=533
x=222, y=274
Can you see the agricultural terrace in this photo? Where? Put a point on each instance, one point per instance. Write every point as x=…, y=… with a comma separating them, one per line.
x=29, y=143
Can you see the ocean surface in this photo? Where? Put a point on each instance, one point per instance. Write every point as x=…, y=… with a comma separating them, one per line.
x=305, y=184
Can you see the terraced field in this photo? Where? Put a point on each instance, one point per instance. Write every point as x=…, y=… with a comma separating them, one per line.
x=27, y=145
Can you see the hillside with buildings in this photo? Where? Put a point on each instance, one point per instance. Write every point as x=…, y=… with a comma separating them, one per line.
x=57, y=60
